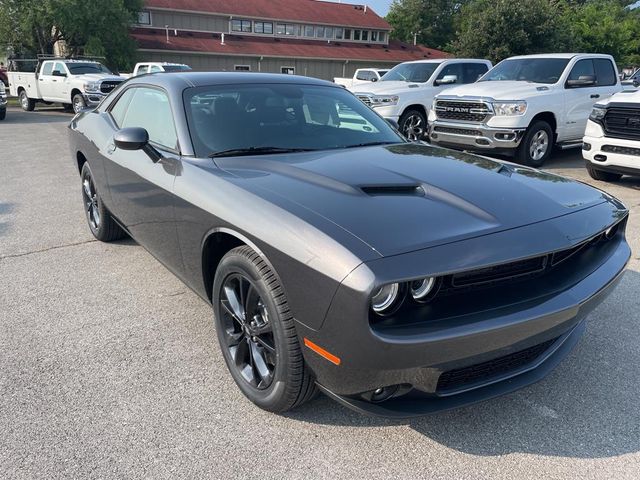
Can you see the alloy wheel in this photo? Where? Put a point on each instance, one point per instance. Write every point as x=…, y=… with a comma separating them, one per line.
x=414, y=128
x=539, y=145
x=90, y=197
x=248, y=331
x=24, y=101
x=78, y=103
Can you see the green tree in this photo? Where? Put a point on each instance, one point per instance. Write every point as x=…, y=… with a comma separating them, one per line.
x=89, y=28
x=430, y=20
x=496, y=29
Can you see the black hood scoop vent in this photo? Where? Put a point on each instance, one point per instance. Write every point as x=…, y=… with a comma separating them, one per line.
x=394, y=190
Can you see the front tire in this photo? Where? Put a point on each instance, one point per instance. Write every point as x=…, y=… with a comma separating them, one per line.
x=27, y=104
x=257, y=335
x=78, y=102
x=536, y=146
x=413, y=125
x=3, y=114
x=602, y=175
x=101, y=223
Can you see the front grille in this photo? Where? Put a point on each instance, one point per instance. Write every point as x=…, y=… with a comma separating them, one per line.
x=107, y=87
x=484, y=372
x=459, y=131
x=621, y=150
x=622, y=123
x=366, y=99
x=462, y=111
x=503, y=272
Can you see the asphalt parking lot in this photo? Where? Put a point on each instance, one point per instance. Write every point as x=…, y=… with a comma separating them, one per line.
x=109, y=366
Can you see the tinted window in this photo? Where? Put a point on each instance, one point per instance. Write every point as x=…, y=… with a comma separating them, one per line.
x=411, y=72
x=537, y=70
x=120, y=108
x=79, y=68
x=605, y=73
x=154, y=69
x=364, y=75
x=473, y=71
x=583, y=68
x=59, y=67
x=47, y=68
x=150, y=109
x=224, y=117
x=143, y=69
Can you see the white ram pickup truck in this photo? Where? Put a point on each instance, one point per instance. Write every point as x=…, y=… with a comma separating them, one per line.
x=73, y=83
x=611, y=143
x=405, y=94
x=156, y=67
x=525, y=105
x=362, y=76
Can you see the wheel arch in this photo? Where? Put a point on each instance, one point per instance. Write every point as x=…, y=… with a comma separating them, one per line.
x=80, y=160
x=74, y=92
x=550, y=118
x=415, y=106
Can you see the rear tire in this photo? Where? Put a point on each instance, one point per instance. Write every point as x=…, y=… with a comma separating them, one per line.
x=602, y=175
x=257, y=334
x=536, y=146
x=99, y=218
x=413, y=125
x=27, y=104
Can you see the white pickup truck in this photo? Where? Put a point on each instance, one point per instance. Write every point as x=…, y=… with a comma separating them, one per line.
x=362, y=76
x=405, y=94
x=525, y=105
x=73, y=83
x=156, y=67
x=611, y=142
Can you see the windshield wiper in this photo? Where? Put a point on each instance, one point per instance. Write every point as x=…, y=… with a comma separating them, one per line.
x=239, y=152
x=369, y=144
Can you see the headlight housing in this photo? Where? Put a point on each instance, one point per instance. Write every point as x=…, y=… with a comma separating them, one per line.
x=384, y=100
x=511, y=109
x=92, y=87
x=422, y=290
x=598, y=113
x=385, y=298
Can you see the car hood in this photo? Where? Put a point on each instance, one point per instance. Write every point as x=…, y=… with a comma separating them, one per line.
x=94, y=77
x=502, y=90
x=406, y=197
x=384, y=88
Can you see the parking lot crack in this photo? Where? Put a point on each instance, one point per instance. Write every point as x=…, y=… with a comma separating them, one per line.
x=55, y=247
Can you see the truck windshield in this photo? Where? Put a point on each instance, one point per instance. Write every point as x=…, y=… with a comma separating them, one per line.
x=411, y=72
x=536, y=70
x=77, y=68
x=176, y=68
x=233, y=120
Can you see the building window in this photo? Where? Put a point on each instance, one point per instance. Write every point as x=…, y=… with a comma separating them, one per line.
x=319, y=32
x=328, y=32
x=356, y=34
x=144, y=18
x=241, y=26
x=347, y=34
x=381, y=36
x=365, y=35
x=242, y=68
x=287, y=29
x=374, y=36
x=288, y=70
x=309, y=31
x=263, y=27
x=339, y=33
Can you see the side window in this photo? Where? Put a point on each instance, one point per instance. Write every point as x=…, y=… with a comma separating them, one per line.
x=583, y=68
x=59, y=67
x=605, y=73
x=47, y=68
x=150, y=109
x=120, y=108
x=143, y=69
x=154, y=69
x=364, y=75
x=473, y=71
x=452, y=69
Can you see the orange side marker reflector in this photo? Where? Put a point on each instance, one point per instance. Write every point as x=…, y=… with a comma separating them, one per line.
x=322, y=352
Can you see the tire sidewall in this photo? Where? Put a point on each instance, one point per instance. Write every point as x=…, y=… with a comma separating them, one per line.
x=525, y=155
x=82, y=104
x=271, y=397
x=99, y=232
x=23, y=98
x=403, y=120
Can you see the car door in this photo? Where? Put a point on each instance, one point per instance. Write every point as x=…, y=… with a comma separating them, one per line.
x=45, y=82
x=579, y=99
x=141, y=189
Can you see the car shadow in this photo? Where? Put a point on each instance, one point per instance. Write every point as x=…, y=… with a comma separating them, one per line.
x=16, y=115
x=587, y=408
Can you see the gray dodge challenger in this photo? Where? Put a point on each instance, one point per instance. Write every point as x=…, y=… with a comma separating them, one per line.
x=397, y=278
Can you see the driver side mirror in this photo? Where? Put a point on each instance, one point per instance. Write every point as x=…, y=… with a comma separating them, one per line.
x=58, y=73
x=447, y=80
x=582, y=81
x=135, y=138
x=374, y=79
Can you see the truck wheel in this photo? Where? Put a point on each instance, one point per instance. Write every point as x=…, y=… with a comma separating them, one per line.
x=536, y=145
x=27, y=104
x=602, y=175
x=413, y=125
x=78, y=102
x=3, y=114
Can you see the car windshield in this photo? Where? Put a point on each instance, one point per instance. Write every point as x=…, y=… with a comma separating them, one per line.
x=536, y=70
x=411, y=72
x=271, y=118
x=176, y=68
x=77, y=68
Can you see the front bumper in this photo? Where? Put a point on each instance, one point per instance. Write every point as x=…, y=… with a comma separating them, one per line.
x=474, y=136
x=3, y=102
x=614, y=155
x=93, y=99
x=410, y=362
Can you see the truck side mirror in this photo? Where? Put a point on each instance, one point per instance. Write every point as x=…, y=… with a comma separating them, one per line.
x=58, y=73
x=447, y=80
x=374, y=79
x=582, y=81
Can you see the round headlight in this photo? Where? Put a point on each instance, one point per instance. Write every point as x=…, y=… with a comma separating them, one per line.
x=420, y=289
x=384, y=298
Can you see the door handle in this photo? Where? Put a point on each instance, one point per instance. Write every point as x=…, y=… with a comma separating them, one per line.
x=595, y=95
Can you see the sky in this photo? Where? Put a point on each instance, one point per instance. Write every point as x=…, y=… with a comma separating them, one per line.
x=380, y=6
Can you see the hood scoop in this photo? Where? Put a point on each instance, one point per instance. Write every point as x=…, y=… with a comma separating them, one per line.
x=394, y=190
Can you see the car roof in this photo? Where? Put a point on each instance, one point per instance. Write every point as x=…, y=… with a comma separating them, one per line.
x=441, y=60
x=202, y=79
x=562, y=55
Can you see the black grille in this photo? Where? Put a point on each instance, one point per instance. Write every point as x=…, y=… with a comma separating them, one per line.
x=503, y=272
x=622, y=123
x=621, y=150
x=458, y=131
x=483, y=372
x=106, y=87
x=464, y=111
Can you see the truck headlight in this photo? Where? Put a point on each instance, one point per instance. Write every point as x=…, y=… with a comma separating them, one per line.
x=598, y=113
x=509, y=108
x=92, y=87
x=384, y=100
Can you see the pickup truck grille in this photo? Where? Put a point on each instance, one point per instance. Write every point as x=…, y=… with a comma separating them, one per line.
x=462, y=111
x=106, y=87
x=622, y=123
x=366, y=99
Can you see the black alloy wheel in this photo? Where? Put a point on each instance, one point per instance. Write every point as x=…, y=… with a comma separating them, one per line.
x=101, y=223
